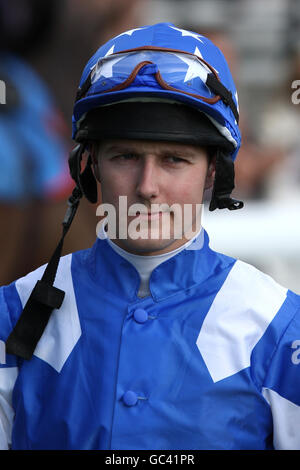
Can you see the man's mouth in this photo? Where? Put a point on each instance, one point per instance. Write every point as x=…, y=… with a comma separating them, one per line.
x=149, y=215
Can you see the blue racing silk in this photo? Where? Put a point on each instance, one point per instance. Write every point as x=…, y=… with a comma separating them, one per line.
x=209, y=360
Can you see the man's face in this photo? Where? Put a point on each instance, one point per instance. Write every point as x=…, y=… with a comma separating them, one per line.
x=157, y=176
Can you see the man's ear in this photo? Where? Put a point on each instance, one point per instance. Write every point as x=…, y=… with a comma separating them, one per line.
x=94, y=154
x=210, y=175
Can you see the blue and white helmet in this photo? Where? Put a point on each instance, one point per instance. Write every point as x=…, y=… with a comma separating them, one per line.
x=163, y=62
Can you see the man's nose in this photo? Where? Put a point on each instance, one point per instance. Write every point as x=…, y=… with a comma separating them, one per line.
x=148, y=184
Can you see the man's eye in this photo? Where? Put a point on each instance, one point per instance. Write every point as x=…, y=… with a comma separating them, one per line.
x=171, y=159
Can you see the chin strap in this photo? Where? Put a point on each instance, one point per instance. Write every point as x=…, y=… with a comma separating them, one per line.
x=224, y=185
x=85, y=180
x=44, y=298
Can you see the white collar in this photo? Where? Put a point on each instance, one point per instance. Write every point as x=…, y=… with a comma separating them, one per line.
x=146, y=264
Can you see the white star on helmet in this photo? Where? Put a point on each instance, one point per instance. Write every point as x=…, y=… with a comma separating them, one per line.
x=188, y=33
x=129, y=32
x=103, y=68
x=195, y=68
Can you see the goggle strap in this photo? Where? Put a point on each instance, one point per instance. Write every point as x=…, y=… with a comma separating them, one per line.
x=226, y=96
x=84, y=88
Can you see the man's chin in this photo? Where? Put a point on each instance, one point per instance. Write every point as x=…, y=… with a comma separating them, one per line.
x=148, y=247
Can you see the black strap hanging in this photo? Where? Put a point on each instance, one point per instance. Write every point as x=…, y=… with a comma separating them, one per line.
x=43, y=299
x=224, y=184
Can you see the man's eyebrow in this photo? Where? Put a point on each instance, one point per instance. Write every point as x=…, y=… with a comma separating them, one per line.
x=165, y=152
x=120, y=148
x=178, y=153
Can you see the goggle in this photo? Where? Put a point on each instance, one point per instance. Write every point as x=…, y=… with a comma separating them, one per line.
x=173, y=70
